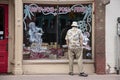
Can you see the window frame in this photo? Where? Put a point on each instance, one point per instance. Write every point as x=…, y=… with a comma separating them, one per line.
x=69, y=2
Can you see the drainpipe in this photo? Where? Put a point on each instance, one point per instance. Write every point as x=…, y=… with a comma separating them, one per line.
x=117, y=56
x=118, y=46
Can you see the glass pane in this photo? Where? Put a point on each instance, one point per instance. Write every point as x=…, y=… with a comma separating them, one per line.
x=1, y=23
x=45, y=28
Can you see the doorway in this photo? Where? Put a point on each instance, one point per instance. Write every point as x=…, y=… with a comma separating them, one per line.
x=3, y=38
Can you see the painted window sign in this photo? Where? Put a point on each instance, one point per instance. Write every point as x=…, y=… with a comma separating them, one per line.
x=45, y=27
x=52, y=10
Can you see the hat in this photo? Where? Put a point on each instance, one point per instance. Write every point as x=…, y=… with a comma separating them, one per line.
x=74, y=23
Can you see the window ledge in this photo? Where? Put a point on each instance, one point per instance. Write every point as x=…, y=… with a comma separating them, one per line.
x=54, y=61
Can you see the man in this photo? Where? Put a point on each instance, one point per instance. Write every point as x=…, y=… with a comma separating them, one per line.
x=74, y=40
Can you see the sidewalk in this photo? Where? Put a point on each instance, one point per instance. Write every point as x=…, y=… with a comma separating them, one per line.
x=59, y=77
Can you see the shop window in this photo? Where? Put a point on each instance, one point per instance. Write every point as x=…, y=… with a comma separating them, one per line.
x=45, y=28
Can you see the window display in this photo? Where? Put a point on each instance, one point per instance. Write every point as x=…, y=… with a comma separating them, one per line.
x=45, y=28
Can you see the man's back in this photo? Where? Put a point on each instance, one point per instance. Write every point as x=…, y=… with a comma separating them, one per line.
x=73, y=36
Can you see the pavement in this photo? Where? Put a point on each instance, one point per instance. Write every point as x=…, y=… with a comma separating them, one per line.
x=60, y=77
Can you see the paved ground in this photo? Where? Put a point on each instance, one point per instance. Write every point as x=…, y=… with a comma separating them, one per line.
x=59, y=77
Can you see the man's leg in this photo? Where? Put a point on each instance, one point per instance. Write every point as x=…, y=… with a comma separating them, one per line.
x=79, y=59
x=71, y=59
x=80, y=63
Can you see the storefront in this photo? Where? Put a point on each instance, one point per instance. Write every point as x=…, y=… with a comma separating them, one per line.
x=37, y=29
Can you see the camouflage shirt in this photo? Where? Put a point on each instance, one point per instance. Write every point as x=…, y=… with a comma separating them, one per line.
x=73, y=36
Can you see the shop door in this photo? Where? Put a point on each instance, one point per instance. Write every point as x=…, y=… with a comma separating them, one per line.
x=3, y=38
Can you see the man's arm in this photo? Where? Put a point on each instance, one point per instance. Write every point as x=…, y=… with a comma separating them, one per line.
x=67, y=42
x=81, y=39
